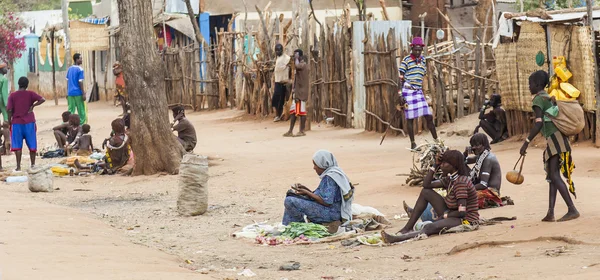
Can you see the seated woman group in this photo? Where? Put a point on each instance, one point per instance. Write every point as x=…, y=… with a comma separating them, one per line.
x=458, y=207
x=330, y=202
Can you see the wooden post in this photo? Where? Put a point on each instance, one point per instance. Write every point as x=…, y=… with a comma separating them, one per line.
x=305, y=46
x=53, y=68
x=589, y=4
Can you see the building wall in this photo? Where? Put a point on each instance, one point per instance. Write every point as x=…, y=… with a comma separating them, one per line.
x=45, y=84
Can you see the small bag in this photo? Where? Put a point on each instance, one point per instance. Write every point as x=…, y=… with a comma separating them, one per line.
x=570, y=118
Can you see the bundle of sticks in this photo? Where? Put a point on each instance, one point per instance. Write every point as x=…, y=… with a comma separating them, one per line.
x=424, y=157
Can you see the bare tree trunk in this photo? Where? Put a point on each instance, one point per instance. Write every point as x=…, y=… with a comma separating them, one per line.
x=155, y=148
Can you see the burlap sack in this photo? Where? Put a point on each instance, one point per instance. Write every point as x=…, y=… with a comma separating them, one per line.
x=40, y=179
x=570, y=119
x=193, y=185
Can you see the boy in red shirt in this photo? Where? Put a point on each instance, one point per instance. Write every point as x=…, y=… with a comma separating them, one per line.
x=22, y=120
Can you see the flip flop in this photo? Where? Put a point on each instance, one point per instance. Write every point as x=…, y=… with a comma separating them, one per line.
x=288, y=134
x=300, y=134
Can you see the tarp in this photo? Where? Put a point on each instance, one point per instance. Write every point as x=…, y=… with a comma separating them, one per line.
x=99, y=21
x=183, y=25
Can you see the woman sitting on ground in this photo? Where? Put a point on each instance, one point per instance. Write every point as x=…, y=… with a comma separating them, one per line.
x=459, y=205
x=330, y=202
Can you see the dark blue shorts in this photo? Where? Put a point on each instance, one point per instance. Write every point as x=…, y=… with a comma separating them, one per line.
x=20, y=132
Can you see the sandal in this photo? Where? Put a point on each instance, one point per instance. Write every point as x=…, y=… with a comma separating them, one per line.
x=300, y=134
x=288, y=134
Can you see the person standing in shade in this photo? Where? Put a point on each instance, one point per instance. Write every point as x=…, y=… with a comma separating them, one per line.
x=412, y=71
x=3, y=90
x=121, y=94
x=300, y=94
x=282, y=76
x=21, y=117
x=76, y=95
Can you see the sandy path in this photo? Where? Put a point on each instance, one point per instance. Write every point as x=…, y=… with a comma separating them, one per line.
x=257, y=167
x=43, y=241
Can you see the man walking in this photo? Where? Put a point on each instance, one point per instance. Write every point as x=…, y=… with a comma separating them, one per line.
x=412, y=71
x=21, y=117
x=300, y=94
x=282, y=76
x=76, y=95
x=3, y=91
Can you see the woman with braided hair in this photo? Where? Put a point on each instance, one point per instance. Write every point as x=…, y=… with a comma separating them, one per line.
x=458, y=207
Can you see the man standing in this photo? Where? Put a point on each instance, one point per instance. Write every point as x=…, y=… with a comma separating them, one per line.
x=282, y=76
x=300, y=94
x=3, y=91
x=120, y=85
x=76, y=95
x=494, y=122
x=412, y=70
x=21, y=117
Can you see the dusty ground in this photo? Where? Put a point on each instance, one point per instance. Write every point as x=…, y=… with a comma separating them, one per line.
x=249, y=184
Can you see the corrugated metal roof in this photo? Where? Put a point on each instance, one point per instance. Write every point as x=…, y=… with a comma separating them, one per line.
x=560, y=17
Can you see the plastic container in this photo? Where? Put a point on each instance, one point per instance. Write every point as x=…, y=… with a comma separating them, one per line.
x=559, y=61
x=563, y=73
x=16, y=179
x=554, y=84
x=570, y=90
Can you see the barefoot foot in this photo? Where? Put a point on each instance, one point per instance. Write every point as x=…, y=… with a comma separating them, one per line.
x=571, y=215
x=407, y=209
x=386, y=238
x=549, y=218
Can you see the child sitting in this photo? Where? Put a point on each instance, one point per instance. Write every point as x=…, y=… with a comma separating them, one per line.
x=60, y=131
x=83, y=146
x=73, y=133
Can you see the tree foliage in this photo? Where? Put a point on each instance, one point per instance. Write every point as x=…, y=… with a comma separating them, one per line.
x=28, y=5
x=12, y=44
x=529, y=5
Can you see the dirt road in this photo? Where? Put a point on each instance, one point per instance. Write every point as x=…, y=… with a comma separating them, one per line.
x=256, y=167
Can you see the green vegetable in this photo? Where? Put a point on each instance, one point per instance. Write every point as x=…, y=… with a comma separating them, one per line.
x=309, y=230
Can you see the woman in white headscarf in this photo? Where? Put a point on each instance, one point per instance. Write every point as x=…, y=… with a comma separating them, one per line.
x=330, y=202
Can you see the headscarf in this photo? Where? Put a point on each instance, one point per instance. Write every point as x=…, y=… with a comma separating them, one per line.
x=325, y=160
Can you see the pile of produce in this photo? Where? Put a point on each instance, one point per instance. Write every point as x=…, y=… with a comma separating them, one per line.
x=308, y=230
x=294, y=232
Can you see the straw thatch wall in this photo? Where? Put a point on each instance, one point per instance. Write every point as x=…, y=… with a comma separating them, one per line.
x=572, y=42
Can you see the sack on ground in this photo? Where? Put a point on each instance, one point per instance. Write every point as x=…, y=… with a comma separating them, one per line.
x=193, y=185
x=40, y=179
x=570, y=119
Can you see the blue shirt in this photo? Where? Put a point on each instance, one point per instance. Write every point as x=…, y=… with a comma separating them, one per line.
x=74, y=76
x=414, y=70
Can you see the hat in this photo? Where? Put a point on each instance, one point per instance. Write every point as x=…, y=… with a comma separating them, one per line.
x=2, y=65
x=417, y=41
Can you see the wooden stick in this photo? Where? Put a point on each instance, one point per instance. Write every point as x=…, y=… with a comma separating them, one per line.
x=464, y=71
x=385, y=123
x=468, y=246
x=450, y=24
x=385, y=13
